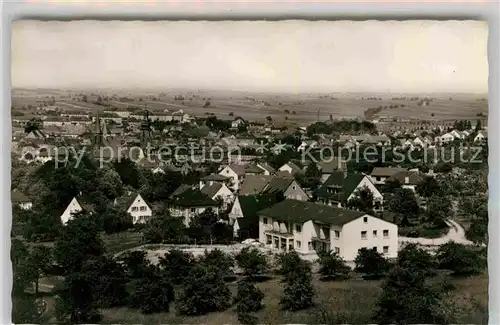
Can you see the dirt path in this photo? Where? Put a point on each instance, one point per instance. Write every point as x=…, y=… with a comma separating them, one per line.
x=456, y=234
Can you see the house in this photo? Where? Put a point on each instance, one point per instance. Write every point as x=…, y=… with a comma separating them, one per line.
x=445, y=138
x=237, y=122
x=252, y=169
x=158, y=170
x=218, y=191
x=290, y=167
x=254, y=184
x=380, y=174
x=214, y=178
x=244, y=215
x=307, y=227
x=331, y=166
x=73, y=208
x=408, y=179
x=189, y=202
x=236, y=173
x=288, y=187
x=481, y=136
x=307, y=144
x=339, y=189
x=456, y=134
x=21, y=200
x=139, y=209
x=268, y=169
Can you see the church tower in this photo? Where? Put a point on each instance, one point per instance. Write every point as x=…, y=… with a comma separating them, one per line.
x=145, y=129
x=97, y=134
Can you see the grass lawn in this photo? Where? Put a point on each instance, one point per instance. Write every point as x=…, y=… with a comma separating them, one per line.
x=115, y=243
x=350, y=301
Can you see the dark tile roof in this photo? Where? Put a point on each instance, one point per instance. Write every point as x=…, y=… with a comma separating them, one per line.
x=215, y=177
x=278, y=184
x=254, y=184
x=181, y=189
x=345, y=185
x=300, y=212
x=18, y=197
x=328, y=167
x=192, y=197
x=211, y=190
x=414, y=177
x=386, y=171
x=253, y=169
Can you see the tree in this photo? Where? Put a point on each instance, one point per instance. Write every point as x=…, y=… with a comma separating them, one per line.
x=478, y=230
x=128, y=171
x=332, y=266
x=439, y=209
x=79, y=242
x=38, y=263
x=478, y=126
x=33, y=124
x=460, y=259
x=77, y=302
x=406, y=298
x=136, y=264
x=299, y=292
x=151, y=294
x=428, y=187
x=219, y=260
x=203, y=291
x=25, y=310
x=116, y=220
x=362, y=200
x=412, y=257
x=288, y=262
x=269, y=118
x=84, y=98
x=248, y=298
x=176, y=265
x=313, y=176
x=110, y=183
x=392, y=185
x=252, y=261
x=371, y=263
x=110, y=282
x=164, y=229
x=404, y=204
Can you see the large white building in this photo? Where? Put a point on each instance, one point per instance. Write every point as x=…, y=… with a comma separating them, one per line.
x=307, y=227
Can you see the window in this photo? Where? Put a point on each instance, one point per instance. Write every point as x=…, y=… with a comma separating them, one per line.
x=337, y=250
x=134, y=208
x=298, y=243
x=298, y=228
x=227, y=171
x=269, y=240
x=264, y=221
x=365, y=219
x=386, y=249
x=294, y=187
x=374, y=233
x=193, y=210
x=374, y=248
x=143, y=208
x=337, y=234
x=386, y=233
x=363, y=234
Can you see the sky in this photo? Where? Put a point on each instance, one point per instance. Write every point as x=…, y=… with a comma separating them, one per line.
x=285, y=56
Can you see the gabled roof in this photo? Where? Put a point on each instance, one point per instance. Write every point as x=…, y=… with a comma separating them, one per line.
x=192, y=197
x=345, y=185
x=386, y=171
x=278, y=184
x=295, y=169
x=328, y=167
x=215, y=177
x=253, y=169
x=254, y=184
x=300, y=212
x=18, y=197
x=267, y=167
x=414, y=177
x=238, y=169
x=181, y=189
x=211, y=190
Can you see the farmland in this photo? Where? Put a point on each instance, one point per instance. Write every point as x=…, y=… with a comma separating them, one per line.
x=299, y=109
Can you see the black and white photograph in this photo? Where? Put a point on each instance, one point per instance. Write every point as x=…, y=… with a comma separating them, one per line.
x=249, y=172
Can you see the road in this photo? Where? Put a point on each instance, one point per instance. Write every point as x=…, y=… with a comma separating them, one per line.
x=456, y=234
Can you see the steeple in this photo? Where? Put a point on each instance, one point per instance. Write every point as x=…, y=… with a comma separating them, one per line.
x=97, y=136
x=145, y=129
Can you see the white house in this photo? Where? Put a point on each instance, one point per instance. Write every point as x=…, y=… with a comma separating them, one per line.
x=290, y=167
x=187, y=202
x=409, y=179
x=237, y=122
x=158, y=170
x=445, y=138
x=307, y=144
x=73, y=208
x=481, y=136
x=21, y=200
x=218, y=191
x=236, y=173
x=456, y=134
x=307, y=227
x=139, y=210
x=380, y=174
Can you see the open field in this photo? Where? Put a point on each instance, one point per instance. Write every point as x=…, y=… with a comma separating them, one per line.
x=350, y=302
x=300, y=109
